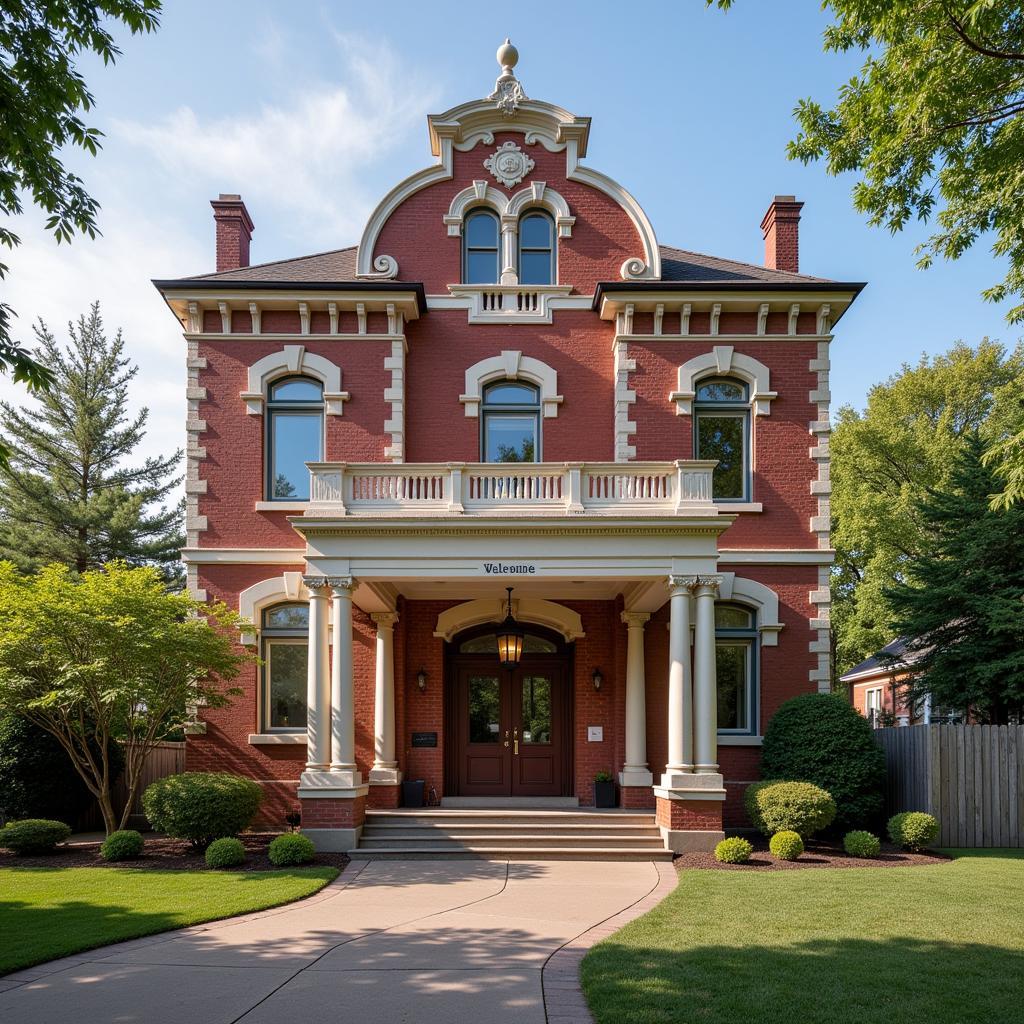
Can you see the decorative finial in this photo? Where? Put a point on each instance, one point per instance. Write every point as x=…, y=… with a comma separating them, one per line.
x=508, y=93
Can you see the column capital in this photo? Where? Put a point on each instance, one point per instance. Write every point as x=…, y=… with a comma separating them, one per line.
x=678, y=583
x=635, y=620
x=338, y=584
x=384, y=620
x=317, y=585
x=707, y=585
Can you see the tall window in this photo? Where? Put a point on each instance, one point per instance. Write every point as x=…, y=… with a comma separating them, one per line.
x=285, y=650
x=536, y=249
x=510, y=423
x=736, y=664
x=480, y=256
x=721, y=423
x=295, y=436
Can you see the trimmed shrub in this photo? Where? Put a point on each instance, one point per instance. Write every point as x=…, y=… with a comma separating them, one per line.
x=786, y=845
x=861, y=844
x=33, y=835
x=820, y=738
x=733, y=851
x=123, y=845
x=225, y=853
x=789, y=807
x=913, y=830
x=201, y=806
x=291, y=848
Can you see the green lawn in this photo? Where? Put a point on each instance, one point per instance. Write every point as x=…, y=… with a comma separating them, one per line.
x=915, y=945
x=50, y=912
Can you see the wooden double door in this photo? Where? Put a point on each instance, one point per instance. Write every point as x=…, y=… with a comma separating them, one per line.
x=511, y=727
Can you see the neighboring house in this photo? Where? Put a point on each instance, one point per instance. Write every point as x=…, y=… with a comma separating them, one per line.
x=877, y=692
x=507, y=383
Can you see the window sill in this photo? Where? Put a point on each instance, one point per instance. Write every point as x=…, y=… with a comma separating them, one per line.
x=739, y=506
x=282, y=506
x=272, y=739
x=733, y=740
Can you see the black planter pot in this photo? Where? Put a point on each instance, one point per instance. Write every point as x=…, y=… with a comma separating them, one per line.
x=604, y=794
x=412, y=793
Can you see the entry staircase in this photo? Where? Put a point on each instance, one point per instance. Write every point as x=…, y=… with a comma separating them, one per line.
x=511, y=834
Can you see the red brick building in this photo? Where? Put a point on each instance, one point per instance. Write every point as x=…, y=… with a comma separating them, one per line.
x=508, y=383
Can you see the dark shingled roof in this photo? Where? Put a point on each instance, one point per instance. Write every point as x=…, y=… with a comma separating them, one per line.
x=676, y=265
x=879, y=662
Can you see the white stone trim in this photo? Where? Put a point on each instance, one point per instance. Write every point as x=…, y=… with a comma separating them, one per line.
x=511, y=365
x=509, y=304
x=821, y=646
x=625, y=398
x=526, y=609
x=724, y=360
x=758, y=596
x=775, y=556
x=394, y=395
x=245, y=556
x=508, y=208
x=195, y=453
x=275, y=590
x=821, y=489
x=294, y=359
x=273, y=739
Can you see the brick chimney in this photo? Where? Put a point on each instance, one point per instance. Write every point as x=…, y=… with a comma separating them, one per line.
x=234, y=231
x=781, y=227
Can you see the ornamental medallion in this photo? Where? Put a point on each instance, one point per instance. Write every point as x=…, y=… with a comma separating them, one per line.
x=509, y=164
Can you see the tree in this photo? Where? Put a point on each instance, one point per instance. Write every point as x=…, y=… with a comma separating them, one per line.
x=41, y=97
x=110, y=656
x=66, y=494
x=885, y=458
x=960, y=604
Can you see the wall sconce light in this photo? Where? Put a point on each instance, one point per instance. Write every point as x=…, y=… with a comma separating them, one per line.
x=598, y=679
x=421, y=680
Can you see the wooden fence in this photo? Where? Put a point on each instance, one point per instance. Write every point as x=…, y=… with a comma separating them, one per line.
x=971, y=777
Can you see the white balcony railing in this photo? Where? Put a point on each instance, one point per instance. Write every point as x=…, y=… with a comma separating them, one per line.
x=459, y=488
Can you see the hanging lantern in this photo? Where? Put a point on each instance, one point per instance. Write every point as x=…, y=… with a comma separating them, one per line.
x=510, y=638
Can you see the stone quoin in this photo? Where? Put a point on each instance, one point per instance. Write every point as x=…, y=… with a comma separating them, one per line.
x=509, y=358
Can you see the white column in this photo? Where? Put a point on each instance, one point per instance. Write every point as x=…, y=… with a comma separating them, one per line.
x=680, y=685
x=634, y=771
x=385, y=766
x=509, y=255
x=343, y=724
x=318, y=685
x=705, y=679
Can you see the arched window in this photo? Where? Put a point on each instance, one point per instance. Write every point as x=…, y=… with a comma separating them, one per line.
x=736, y=666
x=295, y=436
x=480, y=263
x=536, y=248
x=284, y=634
x=510, y=423
x=721, y=429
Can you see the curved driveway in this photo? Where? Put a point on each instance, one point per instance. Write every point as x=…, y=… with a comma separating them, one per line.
x=390, y=942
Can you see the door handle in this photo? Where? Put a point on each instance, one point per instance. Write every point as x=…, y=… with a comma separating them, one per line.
x=506, y=737
x=515, y=741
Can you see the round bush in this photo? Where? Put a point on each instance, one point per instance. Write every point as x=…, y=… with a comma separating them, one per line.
x=820, y=738
x=33, y=835
x=123, y=845
x=789, y=807
x=225, y=853
x=786, y=845
x=733, y=851
x=913, y=830
x=201, y=806
x=861, y=844
x=291, y=848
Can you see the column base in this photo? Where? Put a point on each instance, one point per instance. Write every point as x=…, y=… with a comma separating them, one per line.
x=676, y=779
x=634, y=775
x=343, y=784
x=385, y=775
x=334, y=823
x=690, y=816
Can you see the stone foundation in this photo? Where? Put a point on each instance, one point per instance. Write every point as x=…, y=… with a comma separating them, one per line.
x=689, y=824
x=333, y=823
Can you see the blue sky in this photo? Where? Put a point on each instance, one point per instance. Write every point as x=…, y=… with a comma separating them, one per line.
x=312, y=111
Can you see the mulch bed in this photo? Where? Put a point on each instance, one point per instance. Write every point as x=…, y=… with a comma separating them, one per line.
x=816, y=855
x=162, y=854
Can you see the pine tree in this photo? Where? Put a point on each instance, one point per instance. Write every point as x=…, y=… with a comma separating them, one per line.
x=67, y=494
x=962, y=602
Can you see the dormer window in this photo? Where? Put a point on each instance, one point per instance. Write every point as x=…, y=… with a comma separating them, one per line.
x=536, y=248
x=480, y=257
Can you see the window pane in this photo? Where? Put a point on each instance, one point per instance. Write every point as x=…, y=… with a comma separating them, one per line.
x=536, y=710
x=510, y=438
x=535, y=232
x=488, y=644
x=481, y=267
x=722, y=438
x=729, y=616
x=286, y=671
x=510, y=394
x=721, y=391
x=287, y=616
x=295, y=439
x=297, y=390
x=535, y=268
x=484, y=709
x=482, y=231
x=732, y=661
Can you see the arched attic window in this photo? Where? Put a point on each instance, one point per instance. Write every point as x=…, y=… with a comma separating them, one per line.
x=481, y=239
x=537, y=255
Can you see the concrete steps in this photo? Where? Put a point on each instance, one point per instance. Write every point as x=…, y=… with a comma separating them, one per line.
x=511, y=833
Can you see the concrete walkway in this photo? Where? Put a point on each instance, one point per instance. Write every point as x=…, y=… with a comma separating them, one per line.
x=390, y=942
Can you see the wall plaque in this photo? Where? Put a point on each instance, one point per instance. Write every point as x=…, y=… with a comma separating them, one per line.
x=424, y=739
